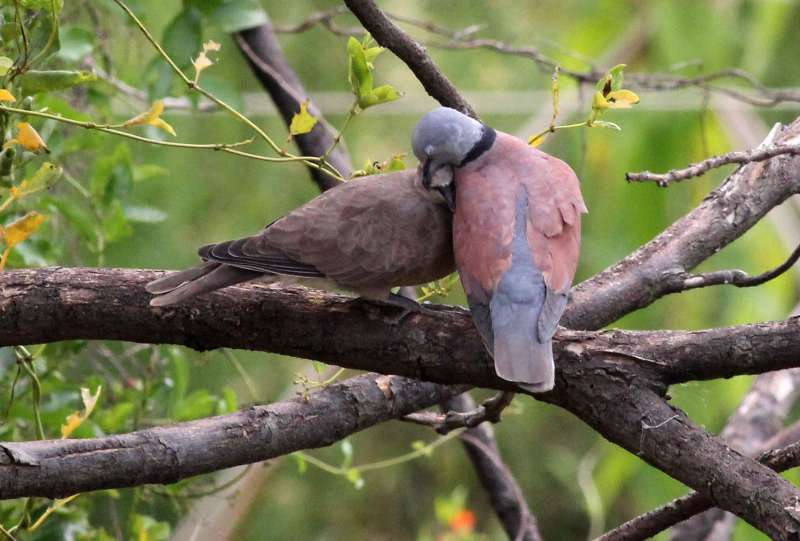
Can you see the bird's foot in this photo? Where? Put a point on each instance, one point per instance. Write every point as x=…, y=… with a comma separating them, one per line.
x=407, y=306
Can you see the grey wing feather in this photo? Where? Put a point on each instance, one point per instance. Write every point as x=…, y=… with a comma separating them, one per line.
x=521, y=352
x=552, y=309
x=251, y=253
x=175, y=279
x=219, y=277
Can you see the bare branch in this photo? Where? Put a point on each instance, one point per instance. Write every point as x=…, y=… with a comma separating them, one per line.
x=411, y=52
x=726, y=214
x=734, y=277
x=54, y=468
x=443, y=423
x=651, y=523
x=700, y=168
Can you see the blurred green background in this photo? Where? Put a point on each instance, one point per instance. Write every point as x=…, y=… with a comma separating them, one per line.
x=577, y=483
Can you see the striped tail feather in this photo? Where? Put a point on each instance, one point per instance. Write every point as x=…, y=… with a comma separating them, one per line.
x=197, y=281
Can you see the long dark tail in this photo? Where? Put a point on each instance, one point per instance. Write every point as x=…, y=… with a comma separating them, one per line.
x=198, y=280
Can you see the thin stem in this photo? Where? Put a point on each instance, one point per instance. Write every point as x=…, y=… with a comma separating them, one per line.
x=112, y=129
x=387, y=463
x=553, y=129
x=24, y=358
x=350, y=114
x=7, y=534
x=319, y=162
x=248, y=381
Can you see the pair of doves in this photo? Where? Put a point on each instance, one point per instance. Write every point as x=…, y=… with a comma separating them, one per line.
x=506, y=215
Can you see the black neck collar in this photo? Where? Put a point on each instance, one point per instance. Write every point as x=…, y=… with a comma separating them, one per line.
x=488, y=135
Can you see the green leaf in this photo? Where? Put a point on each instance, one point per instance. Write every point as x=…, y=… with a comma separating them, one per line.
x=113, y=176
x=115, y=224
x=382, y=94
x=76, y=43
x=302, y=121
x=236, y=15
x=35, y=81
x=229, y=402
x=183, y=37
x=147, y=171
x=396, y=163
x=78, y=218
x=5, y=64
x=145, y=528
x=419, y=445
x=45, y=177
x=198, y=404
x=319, y=367
x=359, y=76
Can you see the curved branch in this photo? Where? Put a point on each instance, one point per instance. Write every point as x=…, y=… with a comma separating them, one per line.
x=701, y=168
x=412, y=53
x=657, y=268
x=651, y=523
x=56, y=468
x=603, y=378
x=736, y=277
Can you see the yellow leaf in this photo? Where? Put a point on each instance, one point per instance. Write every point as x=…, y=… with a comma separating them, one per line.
x=89, y=399
x=203, y=61
x=75, y=419
x=211, y=45
x=622, y=99
x=28, y=137
x=537, y=140
x=18, y=231
x=303, y=121
x=21, y=229
x=151, y=117
x=5, y=95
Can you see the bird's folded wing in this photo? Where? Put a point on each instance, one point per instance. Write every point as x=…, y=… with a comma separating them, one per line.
x=554, y=222
x=376, y=230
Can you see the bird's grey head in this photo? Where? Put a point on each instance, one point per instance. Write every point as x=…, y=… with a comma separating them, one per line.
x=445, y=139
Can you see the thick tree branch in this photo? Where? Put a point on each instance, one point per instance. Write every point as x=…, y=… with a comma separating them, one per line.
x=412, y=53
x=600, y=375
x=55, y=468
x=651, y=523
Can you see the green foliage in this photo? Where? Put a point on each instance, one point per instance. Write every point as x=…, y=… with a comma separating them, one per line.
x=361, y=55
x=112, y=201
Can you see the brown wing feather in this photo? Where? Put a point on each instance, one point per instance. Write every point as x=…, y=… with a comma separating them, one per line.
x=379, y=231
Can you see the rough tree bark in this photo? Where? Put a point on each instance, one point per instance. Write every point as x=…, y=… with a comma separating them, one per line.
x=613, y=385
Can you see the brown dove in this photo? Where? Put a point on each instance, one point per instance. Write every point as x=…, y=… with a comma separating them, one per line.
x=366, y=236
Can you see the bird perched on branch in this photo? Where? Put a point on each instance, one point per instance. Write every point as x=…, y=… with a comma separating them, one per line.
x=366, y=236
x=516, y=236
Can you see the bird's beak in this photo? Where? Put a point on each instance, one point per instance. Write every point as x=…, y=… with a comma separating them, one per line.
x=426, y=174
x=448, y=191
